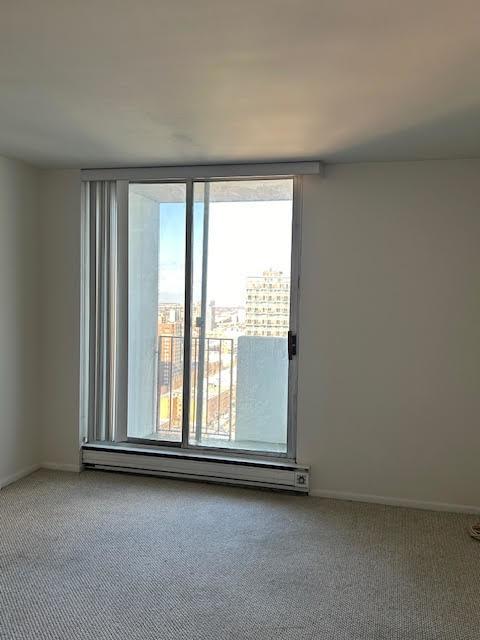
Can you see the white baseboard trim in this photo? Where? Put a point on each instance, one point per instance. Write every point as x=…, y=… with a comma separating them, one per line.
x=396, y=502
x=56, y=466
x=18, y=475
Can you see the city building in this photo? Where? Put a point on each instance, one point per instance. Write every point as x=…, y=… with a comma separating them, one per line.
x=267, y=304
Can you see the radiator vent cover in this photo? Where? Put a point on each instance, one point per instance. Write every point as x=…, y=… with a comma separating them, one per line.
x=194, y=466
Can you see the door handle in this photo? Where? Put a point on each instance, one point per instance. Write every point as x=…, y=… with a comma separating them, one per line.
x=292, y=345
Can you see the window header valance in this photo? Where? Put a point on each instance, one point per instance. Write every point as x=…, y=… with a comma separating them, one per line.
x=205, y=172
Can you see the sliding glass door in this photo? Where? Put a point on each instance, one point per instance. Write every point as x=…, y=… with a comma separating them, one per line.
x=212, y=314
x=241, y=314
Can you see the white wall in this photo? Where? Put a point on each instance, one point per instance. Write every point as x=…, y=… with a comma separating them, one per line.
x=389, y=388
x=19, y=331
x=60, y=318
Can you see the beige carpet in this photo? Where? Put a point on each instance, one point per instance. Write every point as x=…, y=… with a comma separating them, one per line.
x=108, y=556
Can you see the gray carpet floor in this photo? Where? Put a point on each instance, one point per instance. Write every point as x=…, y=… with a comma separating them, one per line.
x=109, y=556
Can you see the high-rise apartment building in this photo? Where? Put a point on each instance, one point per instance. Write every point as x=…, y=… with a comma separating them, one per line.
x=268, y=304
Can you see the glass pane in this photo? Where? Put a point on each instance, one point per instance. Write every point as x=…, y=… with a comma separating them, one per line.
x=156, y=290
x=241, y=314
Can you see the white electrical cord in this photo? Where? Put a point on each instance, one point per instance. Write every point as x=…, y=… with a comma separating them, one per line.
x=475, y=531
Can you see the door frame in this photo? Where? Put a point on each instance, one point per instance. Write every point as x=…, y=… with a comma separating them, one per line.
x=122, y=275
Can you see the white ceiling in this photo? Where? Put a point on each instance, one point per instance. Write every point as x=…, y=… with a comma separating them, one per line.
x=96, y=83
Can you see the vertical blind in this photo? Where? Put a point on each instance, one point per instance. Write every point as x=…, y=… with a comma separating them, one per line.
x=100, y=335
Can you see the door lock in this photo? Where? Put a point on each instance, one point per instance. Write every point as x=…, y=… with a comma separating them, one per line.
x=292, y=345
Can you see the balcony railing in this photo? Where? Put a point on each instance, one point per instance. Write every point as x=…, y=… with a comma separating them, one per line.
x=213, y=388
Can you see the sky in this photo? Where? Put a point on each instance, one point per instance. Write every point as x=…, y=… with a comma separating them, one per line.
x=245, y=239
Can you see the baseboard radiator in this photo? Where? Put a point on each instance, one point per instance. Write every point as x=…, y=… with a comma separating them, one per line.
x=245, y=472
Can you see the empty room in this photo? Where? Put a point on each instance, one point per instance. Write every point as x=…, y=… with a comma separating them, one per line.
x=239, y=320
